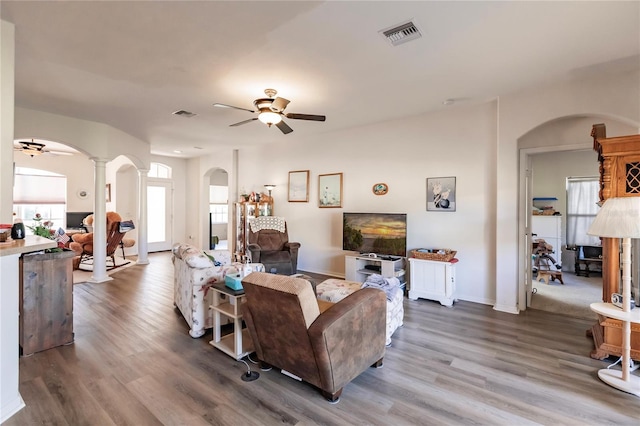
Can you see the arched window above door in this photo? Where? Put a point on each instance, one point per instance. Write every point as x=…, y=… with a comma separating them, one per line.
x=159, y=170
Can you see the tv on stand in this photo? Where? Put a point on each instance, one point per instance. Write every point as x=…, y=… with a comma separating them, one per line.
x=383, y=235
x=74, y=220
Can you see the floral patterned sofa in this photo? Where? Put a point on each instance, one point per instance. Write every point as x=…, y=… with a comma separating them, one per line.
x=193, y=275
x=334, y=290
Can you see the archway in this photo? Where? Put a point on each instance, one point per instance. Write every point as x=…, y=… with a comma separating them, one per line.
x=564, y=135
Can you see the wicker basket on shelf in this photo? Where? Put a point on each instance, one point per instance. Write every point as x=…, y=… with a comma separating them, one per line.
x=434, y=254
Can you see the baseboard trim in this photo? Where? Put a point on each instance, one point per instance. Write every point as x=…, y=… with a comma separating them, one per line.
x=11, y=407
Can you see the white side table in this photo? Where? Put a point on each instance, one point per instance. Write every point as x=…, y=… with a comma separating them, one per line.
x=228, y=302
x=619, y=379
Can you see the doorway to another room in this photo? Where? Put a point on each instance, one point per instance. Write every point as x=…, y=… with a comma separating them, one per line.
x=563, y=207
x=218, y=210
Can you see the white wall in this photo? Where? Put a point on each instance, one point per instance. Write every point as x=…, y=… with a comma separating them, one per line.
x=402, y=153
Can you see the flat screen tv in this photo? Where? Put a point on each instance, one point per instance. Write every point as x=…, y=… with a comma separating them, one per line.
x=379, y=233
x=74, y=219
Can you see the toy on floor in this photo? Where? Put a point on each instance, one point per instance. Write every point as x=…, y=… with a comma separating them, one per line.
x=543, y=262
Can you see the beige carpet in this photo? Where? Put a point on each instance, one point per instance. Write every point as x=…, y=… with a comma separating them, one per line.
x=573, y=298
x=83, y=274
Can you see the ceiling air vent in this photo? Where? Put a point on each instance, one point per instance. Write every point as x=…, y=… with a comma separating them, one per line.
x=402, y=33
x=184, y=113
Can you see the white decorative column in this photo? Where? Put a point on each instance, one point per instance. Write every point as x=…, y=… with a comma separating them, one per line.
x=143, y=237
x=7, y=95
x=10, y=399
x=100, y=223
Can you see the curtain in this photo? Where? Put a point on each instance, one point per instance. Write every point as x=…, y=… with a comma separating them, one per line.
x=582, y=196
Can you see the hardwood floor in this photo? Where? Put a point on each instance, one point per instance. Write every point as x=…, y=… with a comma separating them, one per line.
x=133, y=363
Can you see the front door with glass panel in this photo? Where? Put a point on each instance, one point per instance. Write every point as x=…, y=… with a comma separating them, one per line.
x=159, y=202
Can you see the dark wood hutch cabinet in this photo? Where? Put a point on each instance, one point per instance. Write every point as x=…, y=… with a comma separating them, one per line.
x=619, y=159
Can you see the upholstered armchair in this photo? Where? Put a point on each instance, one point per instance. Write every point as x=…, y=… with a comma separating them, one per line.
x=193, y=275
x=268, y=243
x=324, y=344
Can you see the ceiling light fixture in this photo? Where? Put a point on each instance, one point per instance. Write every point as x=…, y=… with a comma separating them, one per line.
x=269, y=117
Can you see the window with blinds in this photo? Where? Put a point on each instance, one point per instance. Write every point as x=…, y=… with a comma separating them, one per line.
x=39, y=191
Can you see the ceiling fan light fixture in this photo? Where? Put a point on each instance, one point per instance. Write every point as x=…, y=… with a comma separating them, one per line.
x=269, y=118
x=31, y=152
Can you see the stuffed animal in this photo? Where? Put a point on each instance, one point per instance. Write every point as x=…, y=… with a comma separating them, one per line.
x=84, y=242
x=265, y=198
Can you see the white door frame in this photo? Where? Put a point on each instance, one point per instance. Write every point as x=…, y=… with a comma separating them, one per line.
x=168, y=185
x=524, y=216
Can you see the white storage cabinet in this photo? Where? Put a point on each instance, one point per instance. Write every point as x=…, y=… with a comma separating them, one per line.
x=433, y=280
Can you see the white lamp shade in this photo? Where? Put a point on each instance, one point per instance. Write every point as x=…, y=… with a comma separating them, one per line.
x=618, y=218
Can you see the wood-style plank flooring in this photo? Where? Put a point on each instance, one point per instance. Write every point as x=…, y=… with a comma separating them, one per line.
x=133, y=363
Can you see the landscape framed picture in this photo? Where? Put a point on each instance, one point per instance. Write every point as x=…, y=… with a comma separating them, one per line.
x=330, y=190
x=441, y=194
x=299, y=186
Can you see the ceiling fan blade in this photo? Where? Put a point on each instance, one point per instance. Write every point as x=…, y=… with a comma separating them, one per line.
x=56, y=153
x=284, y=127
x=231, y=106
x=279, y=104
x=306, y=117
x=243, y=122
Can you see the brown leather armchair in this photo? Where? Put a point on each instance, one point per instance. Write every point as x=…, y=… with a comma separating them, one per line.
x=273, y=249
x=327, y=345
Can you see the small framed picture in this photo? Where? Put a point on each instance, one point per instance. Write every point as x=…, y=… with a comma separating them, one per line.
x=330, y=190
x=441, y=194
x=380, y=188
x=299, y=186
x=108, y=193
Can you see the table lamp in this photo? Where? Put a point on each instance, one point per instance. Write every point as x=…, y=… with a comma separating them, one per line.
x=620, y=218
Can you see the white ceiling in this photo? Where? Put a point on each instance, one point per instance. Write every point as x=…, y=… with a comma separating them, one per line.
x=131, y=64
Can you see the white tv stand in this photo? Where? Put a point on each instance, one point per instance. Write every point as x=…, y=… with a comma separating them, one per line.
x=358, y=268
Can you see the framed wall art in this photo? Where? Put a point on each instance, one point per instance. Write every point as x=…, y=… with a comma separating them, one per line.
x=380, y=188
x=299, y=186
x=108, y=193
x=441, y=194
x=330, y=190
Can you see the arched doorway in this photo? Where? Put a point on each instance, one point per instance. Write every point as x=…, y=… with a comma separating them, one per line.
x=568, y=139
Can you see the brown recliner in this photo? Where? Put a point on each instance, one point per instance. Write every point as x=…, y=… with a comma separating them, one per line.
x=273, y=249
x=327, y=349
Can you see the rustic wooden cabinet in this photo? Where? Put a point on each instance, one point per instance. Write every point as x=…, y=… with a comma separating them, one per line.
x=45, y=301
x=619, y=159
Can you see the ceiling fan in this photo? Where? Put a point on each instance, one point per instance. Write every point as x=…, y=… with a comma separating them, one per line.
x=271, y=110
x=32, y=148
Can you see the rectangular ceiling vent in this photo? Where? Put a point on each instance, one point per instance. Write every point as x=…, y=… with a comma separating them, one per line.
x=402, y=33
x=183, y=113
